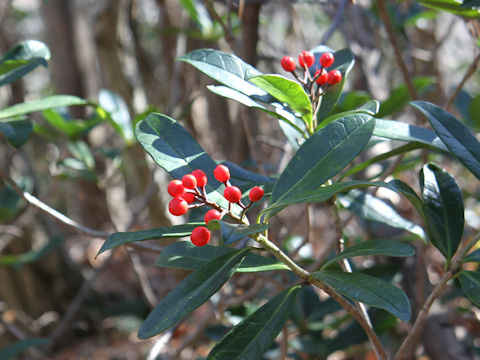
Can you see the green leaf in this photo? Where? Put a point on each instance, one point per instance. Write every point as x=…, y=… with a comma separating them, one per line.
x=12, y=351
x=286, y=91
x=174, y=231
x=368, y=290
x=374, y=247
x=22, y=59
x=176, y=151
x=456, y=136
x=399, y=97
x=470, y=282
x=246, y=179
x=70, y=127
x=474, y=256
x=444, y=212
x=30, y=256
x=185, y=255
x=119, y=113
x=371, y=108
x=16, y=132
x=452, y=6
x=50, y=102
x=397, y=130
x=372, y=208
x=235, y=232
x=225, y=68
x=251, y=338
x=323, y=155
x=192, y=292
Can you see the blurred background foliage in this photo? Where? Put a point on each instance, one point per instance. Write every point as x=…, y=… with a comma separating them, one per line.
x=63, y=302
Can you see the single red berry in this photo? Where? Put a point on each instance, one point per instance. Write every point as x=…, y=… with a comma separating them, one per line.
x=256, y=193
x=288, y=63
x=322, y=76
x=200, y=176
x=334, y=77
x=200, y=236
x=175, y=188
x=221, y=173
x=189, y=181
x=232, y=194
x=212, y=214
x=327, y=59
x=178, y=206
x=189, y=197
x=306, y=58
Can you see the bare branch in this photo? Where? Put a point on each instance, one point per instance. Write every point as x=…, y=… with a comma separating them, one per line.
x=470, y=71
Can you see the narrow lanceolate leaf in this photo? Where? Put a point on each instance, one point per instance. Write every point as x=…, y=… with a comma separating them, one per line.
x=286, y=91
x=225, y=68
x=374, y=247
x=118, y=112
x=470, y=282
x=50, y=102
x=474, y=256
x=175, y=150
x=174, y=231
x=22, y=59
x=372, y=208
x=251, y=338
x=456, y=136
x=13, y=351
x=16, y=132
x=323, y=155
x=444, y=212
x=368, y=290
x=397, y=130
x=192, y=292
x=235, y=232
x=185, y=255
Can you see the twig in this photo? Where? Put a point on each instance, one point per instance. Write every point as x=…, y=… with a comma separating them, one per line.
x=470, y=71
x=382, y=10
x=336, y=21
x=226, y=29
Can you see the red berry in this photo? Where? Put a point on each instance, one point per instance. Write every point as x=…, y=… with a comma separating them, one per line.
x=178, y=206
x=256, y=193
x=189, y=197
x=232, y=194
x=200, y=236
x=306, y=58
x=322, y=76
x=327, y=59
x=221, y=173
x=175, y=188
x=189, y=181
x=334, y=77
x=212, y=214
x=200, y=176
x=288, y=63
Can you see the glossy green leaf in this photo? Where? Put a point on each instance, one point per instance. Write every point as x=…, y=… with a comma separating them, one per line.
x=225, y=68
x=444, y=212
x=119, y=113
x=374, y=247
x=30, y=256
x=174, y=231
x=456, y=136
x=400, y=96
x=402, y=188
x=185, y=255
x=323, y=155
x=192, y=292
x=50, y=102
x=22, y=59
x=372, y=208
x=251, y=338
x=371, y=108
x=474, y=256
x=13, y=351
x=286, y=91
x=17, y=132
x=176, y=151
x=246, y=179
x=470, y=282
x=368, y=290
x=452, y=6
x=72, y=128
x=235, y=232
x=397, y=130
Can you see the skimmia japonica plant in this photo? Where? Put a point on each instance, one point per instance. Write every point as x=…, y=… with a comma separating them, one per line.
x=230, y=209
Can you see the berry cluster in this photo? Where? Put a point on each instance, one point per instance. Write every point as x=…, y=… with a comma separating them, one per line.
x=190, y=193
x=321, y=77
